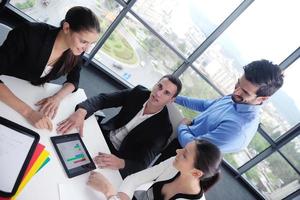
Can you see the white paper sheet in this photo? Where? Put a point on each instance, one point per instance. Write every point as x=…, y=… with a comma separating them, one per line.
x=78, y=191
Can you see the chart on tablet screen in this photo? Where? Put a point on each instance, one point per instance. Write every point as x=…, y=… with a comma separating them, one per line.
x=73, y=154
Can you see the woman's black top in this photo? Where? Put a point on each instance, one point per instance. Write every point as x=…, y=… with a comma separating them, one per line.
x=26, y=50
x=154, y=193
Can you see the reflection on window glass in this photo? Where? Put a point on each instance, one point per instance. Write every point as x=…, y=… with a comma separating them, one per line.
x=257, y=145
x=53, y=11
x=185, y=24
x=194, y=86
x=249, y=39
x=136, y=55
x=274, y=177
x=292, y=152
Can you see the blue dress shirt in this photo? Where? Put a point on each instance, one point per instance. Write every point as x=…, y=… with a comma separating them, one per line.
x=227, y=124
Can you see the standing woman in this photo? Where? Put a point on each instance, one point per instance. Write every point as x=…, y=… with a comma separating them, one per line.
x=39, y=53
x=187, y=176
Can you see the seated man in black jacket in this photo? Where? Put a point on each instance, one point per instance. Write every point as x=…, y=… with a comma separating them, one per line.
x=138, y=132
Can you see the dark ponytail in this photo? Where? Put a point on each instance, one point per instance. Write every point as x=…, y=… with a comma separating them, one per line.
x=66, y=59
x=79, y=19
x=207, y=183
x=208, y=160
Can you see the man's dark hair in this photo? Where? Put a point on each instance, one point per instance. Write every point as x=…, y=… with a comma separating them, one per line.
x=176, y=81
x=264, y=74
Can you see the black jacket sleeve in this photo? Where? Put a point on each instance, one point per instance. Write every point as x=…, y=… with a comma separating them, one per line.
x=103, y=100
x=74, y=76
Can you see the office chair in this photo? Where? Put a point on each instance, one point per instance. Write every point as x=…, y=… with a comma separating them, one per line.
x=4, y=29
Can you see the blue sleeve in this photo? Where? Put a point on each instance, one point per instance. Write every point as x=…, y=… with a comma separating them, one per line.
x=227, y=136
x=193, y=103
x=184, y=135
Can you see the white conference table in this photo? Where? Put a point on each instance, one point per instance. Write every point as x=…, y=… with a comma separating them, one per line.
x=52, y=179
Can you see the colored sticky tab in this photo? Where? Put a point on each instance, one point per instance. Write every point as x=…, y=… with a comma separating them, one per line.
x=36, y=154
x=44, y=163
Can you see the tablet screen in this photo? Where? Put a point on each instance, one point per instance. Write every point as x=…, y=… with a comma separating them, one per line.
x=14, y=148
x=73, y=154
x=17, y=145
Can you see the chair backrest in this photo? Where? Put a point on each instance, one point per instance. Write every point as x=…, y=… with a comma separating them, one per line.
x=175, y=118
x=2, y=4
x=4, y=30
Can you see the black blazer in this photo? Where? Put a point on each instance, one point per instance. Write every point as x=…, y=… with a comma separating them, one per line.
x=146, y=140
x=26, y=50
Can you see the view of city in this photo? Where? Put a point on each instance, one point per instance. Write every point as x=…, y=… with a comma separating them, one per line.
x=136, y=55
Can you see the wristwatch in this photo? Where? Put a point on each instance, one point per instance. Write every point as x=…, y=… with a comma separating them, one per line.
x=114, y=197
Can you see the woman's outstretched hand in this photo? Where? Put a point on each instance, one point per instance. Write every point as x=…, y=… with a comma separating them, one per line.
x=49, y=106
x=100, y=183
x=39, y=120
x=76, y=120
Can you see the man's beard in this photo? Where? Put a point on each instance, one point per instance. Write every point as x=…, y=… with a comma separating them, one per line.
x=237, y=99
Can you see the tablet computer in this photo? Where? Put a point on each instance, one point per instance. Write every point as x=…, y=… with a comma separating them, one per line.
x=17, y=145
x=73, y=154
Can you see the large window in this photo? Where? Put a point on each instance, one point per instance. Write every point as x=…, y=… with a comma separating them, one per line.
x=205, y=43
x=292, y=152
x=134, y=53
x=256, y=146
x=274, y=177
x=185, y=24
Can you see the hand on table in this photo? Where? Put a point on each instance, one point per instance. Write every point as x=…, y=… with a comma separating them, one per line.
x=104, y=160
x=75, y=120
x=49, y=106
x=39, y=120
x=186, y=121
x=100, y=183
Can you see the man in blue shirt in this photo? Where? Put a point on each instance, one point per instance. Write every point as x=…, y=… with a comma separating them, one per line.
x=231, y=121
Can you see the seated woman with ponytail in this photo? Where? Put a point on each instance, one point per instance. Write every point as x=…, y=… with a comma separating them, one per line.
x=188, y=175
x=39, y=53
